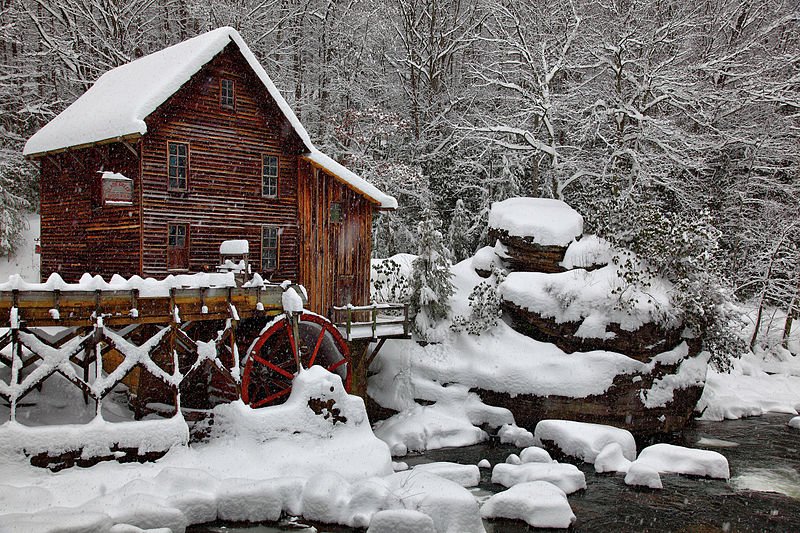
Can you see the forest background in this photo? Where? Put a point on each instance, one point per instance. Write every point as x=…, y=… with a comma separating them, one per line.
x=671, y=125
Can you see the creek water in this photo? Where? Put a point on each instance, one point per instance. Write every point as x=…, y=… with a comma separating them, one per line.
x=763, y=493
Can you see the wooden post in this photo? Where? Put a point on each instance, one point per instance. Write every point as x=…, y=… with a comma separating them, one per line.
x=295, y=321
x=349, y=322
x=405, y=320
x=374, y=320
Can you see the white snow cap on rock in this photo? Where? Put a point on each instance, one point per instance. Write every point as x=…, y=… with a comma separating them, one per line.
x=584, y=441
x=534, y=454
x=118, y=103
x=671, y=459
x=539, y=503
x=565, y=476
x=548, y=222
x=642, y=475
x=513, y=434
x=795, y=422
x=464, y=475
x=401, y=521
x=611, y=459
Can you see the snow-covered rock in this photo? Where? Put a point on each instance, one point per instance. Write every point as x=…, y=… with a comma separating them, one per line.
x=452, y=507
x=583, y=440
x=565, y=476
x=641, y=475
x=549, y=222
x=512, y=434
x=513, y=459
x=587, y=252
x=401, y=521
x=794, y=422
x=539, y=503
x=668, y=458
x=534, y=454
x=464, y=475
x=484, y=463
x=611, y=459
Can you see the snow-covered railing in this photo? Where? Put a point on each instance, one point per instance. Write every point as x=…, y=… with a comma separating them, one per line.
x=128, y=302
x=385, y=320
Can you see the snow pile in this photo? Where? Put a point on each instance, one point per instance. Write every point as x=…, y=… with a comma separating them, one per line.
x=513, y=434
x=485, y=258
x=97, y=438
x=611, y=459
x=291, y=300
x=794, y=422
x=587, y=252
x=451, y=421
x=585, y=297
x=256, y=465
x=582, y=440
x=401, y=521
x=565, y=476
x=642, y=475
x=740, y=393
x=534, y=454
x=538, y=503
x=548, y=222
x=452, y=507
x=234, y=247
x=668, y=458
x=464, y=475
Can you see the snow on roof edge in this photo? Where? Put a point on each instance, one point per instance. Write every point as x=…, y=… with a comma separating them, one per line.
x=351, y=179
x=47, y=138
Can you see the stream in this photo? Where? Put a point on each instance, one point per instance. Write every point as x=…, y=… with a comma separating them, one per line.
x=763, y=493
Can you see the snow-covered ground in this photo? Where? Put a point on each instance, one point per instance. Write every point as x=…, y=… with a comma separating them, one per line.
x=256, y=465
x=25, y=260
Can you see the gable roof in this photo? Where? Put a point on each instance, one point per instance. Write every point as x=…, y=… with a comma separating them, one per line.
x=116, y=106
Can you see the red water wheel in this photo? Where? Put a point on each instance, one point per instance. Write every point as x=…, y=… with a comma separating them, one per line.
x=270, y=364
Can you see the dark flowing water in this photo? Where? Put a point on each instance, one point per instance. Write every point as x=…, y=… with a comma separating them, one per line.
x=763, y=493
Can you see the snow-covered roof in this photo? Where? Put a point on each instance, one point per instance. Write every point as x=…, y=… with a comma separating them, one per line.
x=119, y=101
x=548, y=222
x=116, y=106
x=351, y=179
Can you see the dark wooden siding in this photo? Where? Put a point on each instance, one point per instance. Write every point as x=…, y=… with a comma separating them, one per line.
x=224, y=199
x=334, y=256
x=78, y=234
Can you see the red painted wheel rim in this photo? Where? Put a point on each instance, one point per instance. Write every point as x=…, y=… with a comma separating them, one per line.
x=270, y=366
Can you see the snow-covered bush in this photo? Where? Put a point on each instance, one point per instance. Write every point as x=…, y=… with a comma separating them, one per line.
x=389, y=281
x=484, y=304
x=431, y=287
x=681, y=247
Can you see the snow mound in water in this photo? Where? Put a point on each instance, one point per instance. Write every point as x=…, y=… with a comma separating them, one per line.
x=611, y=459
x=534, y=454
x=548, y=222
x=567, y=477
x=671, y=459
x=582, y=440
x=539, y=503
x=513, y=434
x=464, y=475
x=642, y=475
x=452, y=507
x=795, y=422
x=401, y=521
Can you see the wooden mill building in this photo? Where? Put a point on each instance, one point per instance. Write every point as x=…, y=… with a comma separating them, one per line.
x=165, y=157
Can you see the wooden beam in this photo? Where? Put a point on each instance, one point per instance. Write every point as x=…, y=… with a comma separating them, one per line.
x=129, y=137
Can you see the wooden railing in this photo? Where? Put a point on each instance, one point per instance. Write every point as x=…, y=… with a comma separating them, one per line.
x=375, y=321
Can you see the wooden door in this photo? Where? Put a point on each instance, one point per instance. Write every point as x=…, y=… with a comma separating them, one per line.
x=178, y=247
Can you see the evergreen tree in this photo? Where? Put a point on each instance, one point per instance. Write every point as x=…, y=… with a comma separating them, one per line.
x=431, y=287
x=459, y=237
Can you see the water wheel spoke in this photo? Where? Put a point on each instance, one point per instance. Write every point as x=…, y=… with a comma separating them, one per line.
x=316, y=347
x=336, y=365
x=274, y=367
x=272, y=397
